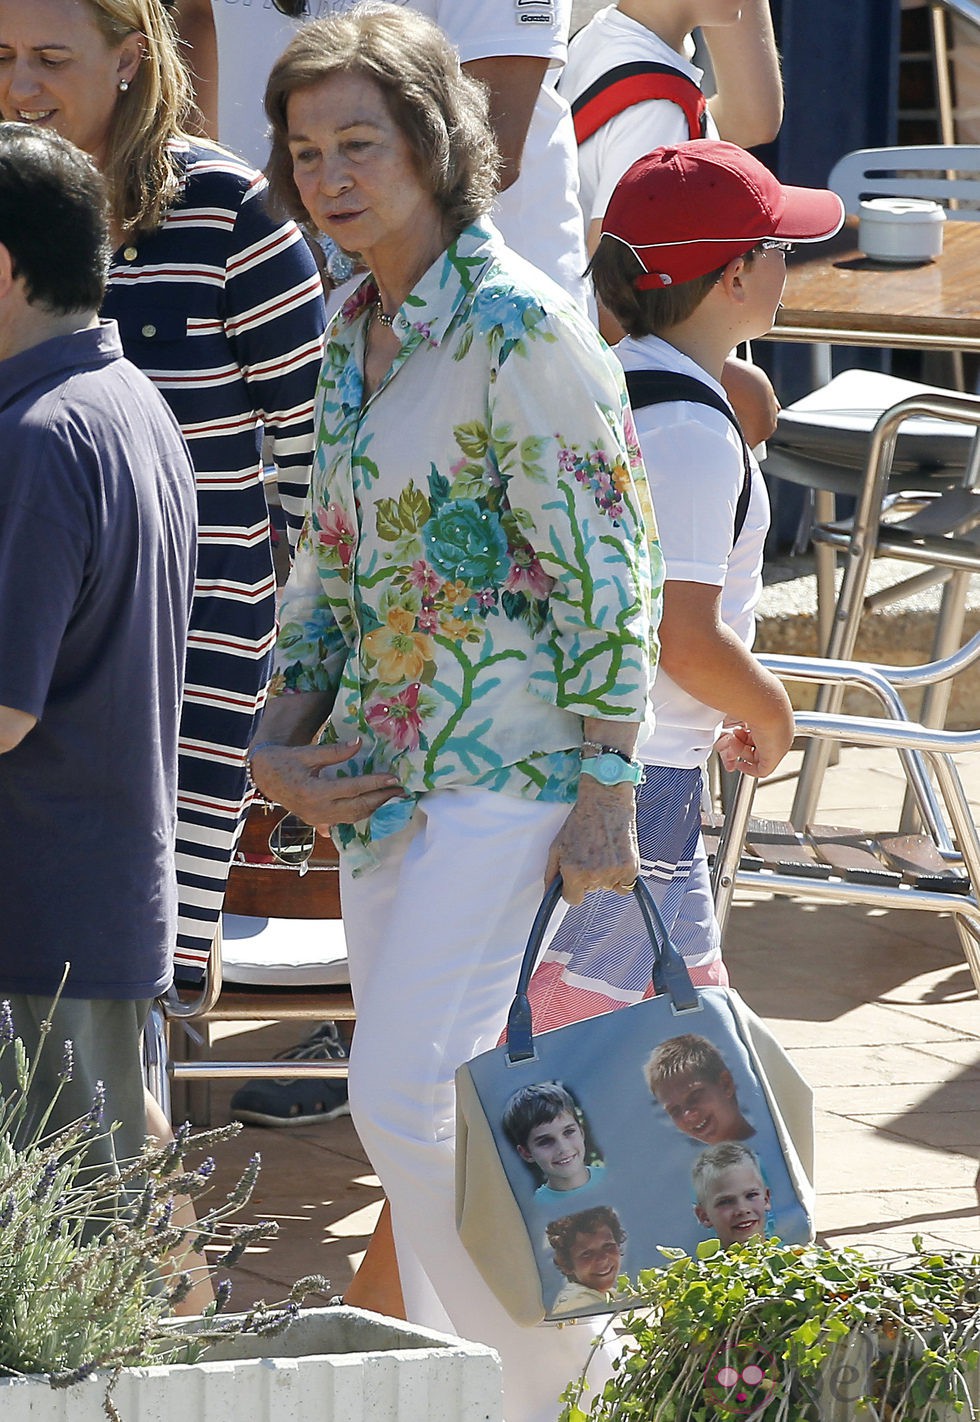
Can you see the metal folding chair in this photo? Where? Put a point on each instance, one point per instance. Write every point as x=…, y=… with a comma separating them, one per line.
x=935, y=871
x=878, y=438
x=942, y=531
x=945, y=173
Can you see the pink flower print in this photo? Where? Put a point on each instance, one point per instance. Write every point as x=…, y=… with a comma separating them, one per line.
x=457, y=468
x=397, y=719
x=567, y=460
x=428, y=620
x=365, y=295
x=424, y=577
x=486, y=598
x=336, y=531
x=528, y=576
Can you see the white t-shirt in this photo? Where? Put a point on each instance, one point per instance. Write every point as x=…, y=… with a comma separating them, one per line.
x=539, y=215
x=693, y=459
x=608, y=40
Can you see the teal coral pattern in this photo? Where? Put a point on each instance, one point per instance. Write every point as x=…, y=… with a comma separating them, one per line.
x=479, y=567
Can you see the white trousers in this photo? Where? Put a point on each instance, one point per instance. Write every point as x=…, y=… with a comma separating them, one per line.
x=435, y=937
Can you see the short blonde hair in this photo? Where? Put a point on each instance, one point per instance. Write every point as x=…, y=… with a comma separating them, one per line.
x=143, y=177
x=715, y=1161
x=441, y=111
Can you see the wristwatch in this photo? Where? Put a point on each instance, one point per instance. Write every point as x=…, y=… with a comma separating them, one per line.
x=612, y=767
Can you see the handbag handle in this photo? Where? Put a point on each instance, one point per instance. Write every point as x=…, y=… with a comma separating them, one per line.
x=670, y=975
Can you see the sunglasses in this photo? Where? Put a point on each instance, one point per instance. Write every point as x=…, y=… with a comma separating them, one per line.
x=292, y=842
x=295, y=9
x=773, y=244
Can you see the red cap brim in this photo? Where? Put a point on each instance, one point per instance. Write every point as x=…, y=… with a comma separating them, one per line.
x=809, y=214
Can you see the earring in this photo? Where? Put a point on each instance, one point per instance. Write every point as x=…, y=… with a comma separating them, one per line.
x=123, y=85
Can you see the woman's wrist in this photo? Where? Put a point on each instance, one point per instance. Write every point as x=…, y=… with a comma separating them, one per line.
x=257, y=793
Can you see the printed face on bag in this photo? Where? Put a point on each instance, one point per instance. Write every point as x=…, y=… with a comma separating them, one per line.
x=706, y=1110
x=736, y=1205
x=595, y=1260
x=557, y=1148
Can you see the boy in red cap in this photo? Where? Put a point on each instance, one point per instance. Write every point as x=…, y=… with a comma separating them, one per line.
x=692, y=260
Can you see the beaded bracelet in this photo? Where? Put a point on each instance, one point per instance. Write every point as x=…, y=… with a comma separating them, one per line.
x=256, y=795
x=609, y=750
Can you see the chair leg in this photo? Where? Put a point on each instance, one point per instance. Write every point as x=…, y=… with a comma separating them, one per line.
x=191, y=1100
x=155, y=1058
x=825, y=562
x=730, y=847
x=935, y=699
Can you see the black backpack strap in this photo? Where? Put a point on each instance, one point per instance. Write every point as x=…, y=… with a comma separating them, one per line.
x=661, y=387
x=628, y=84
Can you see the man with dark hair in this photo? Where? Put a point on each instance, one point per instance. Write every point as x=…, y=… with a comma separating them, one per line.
x=97, y=550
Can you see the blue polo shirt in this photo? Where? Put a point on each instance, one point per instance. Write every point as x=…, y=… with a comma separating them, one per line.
x=97, y=553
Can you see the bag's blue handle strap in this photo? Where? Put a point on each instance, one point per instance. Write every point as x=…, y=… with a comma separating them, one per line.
x=670, y=975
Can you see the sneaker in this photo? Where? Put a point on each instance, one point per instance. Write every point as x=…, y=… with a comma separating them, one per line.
x=297, y=1101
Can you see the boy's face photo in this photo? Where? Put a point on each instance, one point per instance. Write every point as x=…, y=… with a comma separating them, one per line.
x=706, y=1110
x=736, y=1205
x=557, y=1148
x=596, y=1260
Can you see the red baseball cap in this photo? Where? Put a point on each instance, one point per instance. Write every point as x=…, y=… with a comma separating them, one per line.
x=685, y=211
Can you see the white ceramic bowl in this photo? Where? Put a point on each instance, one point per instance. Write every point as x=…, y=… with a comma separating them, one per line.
x=901, y=229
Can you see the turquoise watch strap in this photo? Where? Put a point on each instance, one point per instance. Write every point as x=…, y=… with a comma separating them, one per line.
x=611, y=769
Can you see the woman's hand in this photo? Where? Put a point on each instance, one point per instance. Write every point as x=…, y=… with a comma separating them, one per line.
x=294, y=777
x=596, y=846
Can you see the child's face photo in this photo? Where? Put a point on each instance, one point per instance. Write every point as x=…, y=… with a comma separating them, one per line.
x=736, y=1205
x=557, y=1148
x=705, y=1110
x=596, y=1260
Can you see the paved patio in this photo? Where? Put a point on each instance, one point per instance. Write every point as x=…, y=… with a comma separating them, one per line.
x=877, y=1008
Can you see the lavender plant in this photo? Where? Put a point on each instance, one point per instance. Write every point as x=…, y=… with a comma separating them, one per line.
x=86, y=1274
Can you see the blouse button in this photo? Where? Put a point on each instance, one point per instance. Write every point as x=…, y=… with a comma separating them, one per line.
x=149, y=330
x=130, y=253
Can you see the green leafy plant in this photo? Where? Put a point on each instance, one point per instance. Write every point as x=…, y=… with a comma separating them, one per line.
x=87, y=1273
x=785, y=1333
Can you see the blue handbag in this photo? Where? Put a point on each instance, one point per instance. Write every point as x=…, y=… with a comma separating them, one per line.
x=582, y=1150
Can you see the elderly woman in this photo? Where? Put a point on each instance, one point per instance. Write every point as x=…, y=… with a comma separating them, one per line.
x=464, y=650
x=222, y=307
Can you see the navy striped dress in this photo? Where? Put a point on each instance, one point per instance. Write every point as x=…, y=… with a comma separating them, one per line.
x=222, y=307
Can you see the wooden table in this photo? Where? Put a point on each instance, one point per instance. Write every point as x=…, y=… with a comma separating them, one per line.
x=835, y=295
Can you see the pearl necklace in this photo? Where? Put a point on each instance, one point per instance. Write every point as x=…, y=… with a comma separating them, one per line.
x=382, y=317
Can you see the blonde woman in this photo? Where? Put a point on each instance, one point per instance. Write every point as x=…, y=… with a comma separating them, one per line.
x=221, y=306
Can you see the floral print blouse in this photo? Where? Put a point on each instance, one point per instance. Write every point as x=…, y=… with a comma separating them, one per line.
x=475, y=573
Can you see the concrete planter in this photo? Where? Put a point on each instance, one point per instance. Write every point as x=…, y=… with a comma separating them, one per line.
x=330, y=1365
